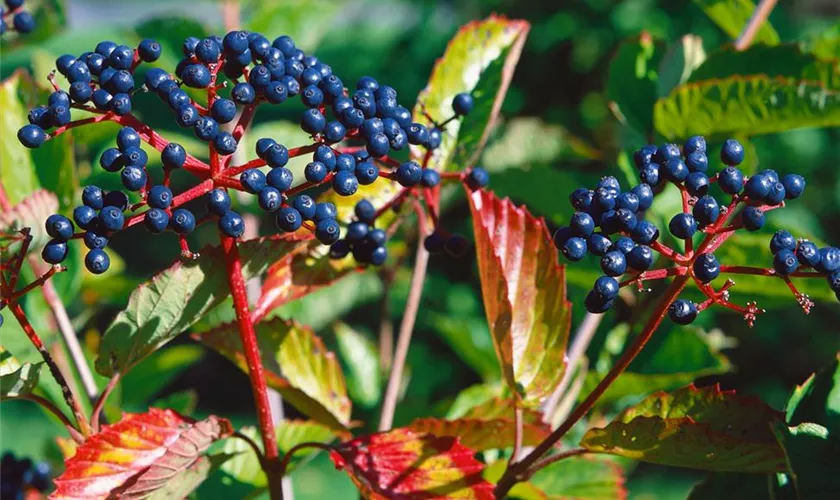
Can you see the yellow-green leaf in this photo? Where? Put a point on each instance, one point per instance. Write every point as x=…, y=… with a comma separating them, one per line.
x=732, y=16
x=16, y=379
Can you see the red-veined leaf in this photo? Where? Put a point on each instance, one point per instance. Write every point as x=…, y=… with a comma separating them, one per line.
x=480, y=59
x=404, y=465
x=524, y=291
x=699, y=428
x=296, y=364
x=488, y=426
x=137, y=455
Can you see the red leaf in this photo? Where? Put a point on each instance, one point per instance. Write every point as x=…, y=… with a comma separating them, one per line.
x=137, y=455
x=524, y=291
x=404, y=465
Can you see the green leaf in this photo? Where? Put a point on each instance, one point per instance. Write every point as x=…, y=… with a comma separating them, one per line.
x=176, y=298
x=291, y=433
x=16, y=379
x=243, y=465
x=698, y=428
x=154, y=373
x=817, y=400
x=471, y=397
x=679, y=63
x=480, y=59
x=784, y=61
x=632, y=81
x=56, y=168
x=751, y=105
x=581, y=478
x=825, y=45
x=470, y=338
x=184, y=402
x=732, y=15
x=361, y=357
x=675, y=358
x=296, y=364
x=813, y=460
x=526, y=141
x=17, y=171
x=295, y=18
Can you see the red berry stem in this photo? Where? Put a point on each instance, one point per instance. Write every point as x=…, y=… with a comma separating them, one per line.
x=250, y=347
x=760, y=271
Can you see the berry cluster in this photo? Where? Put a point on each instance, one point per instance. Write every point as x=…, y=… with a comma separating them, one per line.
x=628, y=244
x=20, y=478
x=353, y=132
x=14, y=17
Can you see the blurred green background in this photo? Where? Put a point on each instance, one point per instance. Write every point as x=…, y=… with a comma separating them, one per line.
x=556, y=133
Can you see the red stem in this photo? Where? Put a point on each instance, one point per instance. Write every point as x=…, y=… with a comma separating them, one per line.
x=250, y=347
x=759, y=271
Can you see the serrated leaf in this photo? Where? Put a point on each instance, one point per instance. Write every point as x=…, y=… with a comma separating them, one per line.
x=404, y=464
x=486, y=427
x=176, y=298
x=31, y=212
x=361, y=357
x=17, y=379
x=479, y=59
x=750, y=105
x=296, y=364
x=187, y=481
x=699, y=428
x=524, y=291
x=581, y=478
x=632, y=81
x=138, y=455
x=732, y=16
x=817, y=400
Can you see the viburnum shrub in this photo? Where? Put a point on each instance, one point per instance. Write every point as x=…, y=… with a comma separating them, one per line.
x=373, y=172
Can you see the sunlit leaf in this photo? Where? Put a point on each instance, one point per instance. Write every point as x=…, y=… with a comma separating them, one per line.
x=176, y=298
x=632, y=81
x=480, y=59
x=17, y=172
x=361, y=357
x=486, y=427
x=698, y=428
x=137, y=455
x=16, y=379
x=826, y=44
x=680, y=62
x=524, y=291
x=471, y=397
x=291, y=433
x=732, y=16
x=751, y=105
x=295, y=18
x=581, y=478
x=296, y=364
x=405, y=464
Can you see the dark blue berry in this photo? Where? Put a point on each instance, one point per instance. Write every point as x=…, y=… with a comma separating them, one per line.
x=706, y=211
x=111, y=218
x=462, y=104
x=402, y=116
x=84, y=216
x=604, y=199
x=223, y=110
x=243, y=93
x=206, y=129
x=324, y=211
x=417, y=134
x=682, y=312
x=312, y=96
x=252, y=180
x=598, y=244
x=829, y=260
x=231, y=224
x=159, y=196
x=367, y=172
x=645, y=195
x=133, y=178
x=92, y=196
x=334, y=132
x=224, y=143
x=63, y=63
x=645, y=233
x=697, y=184
x=280, y=179
x=235, y=42
x=289, y=219
x=121, y=57
x=666, y=153
x=182, y=221
x=626, y=220
x=697, y=162
x=675, y=170
x=434, y=243
x=218, y=202
x=794, y=186
x=365, y=211
x=134, y=157
x=312, y=121
x=79, y=72
x=105, y=48
x=597, y=304
x=694, y=144
x=111, y=160
x=305, y=206
x=379, y=256
x=430, y=178
x=706, y=267
x=95, y=240
x=732, y=152
x=97, y=261
x=649, y=174
x=477, y=178
x=31, y=136
x=752, y=218
x=776, y=194
x=127, y=138
x=325, y=155
x=173, y=156
x=276, y=92
x=606, y=287
x=455, y=245
x=378, y=145
x=356, y=231
x=409, y=173
x=683, y=226
x=345, y=183
x=623, y=245
x=614, y=263
x=327, y=231
x=154, y=77
x=59, y=98
x=627, y=200
x=54, y=252
x=59, y=227
x=207, y=51
x=731, y=180
x=582, y=224
x=640, y=258
x=581, y=198
x=116, y=199
x=808, y=254
x=315, y=172
x=785, y=262
x=782, y=240
x=644, y=156
x=156, y=220
x=609, y=222
x=377, y=237
x=81, y=92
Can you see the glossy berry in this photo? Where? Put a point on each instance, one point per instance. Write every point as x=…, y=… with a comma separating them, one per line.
x=92, y=196
x=430, y=178
x=218, y=202
x=604, y=198
x=732, y=152
x=640, y=258
x=367, y=173
x=182, y=221
x=606, y=287
x=31, y=136
x=697, y=162
x=59, y=227
x=675, y=170
x=683, y=226
x=312, y=121
x=644, y=156
x=627, y=200
x=54, y=252
x=223, y=110
x=95, y=240
x=666, y=153
x=97, y=261
x=84, y=216
x=340, y=249
x=697, y=184
x=288, y=220
x=597, y=304
x=133, y=178
x=581, y=198
x=706, y=211
x=280, y=179
x=327, y=231
x=644, y=194
x=694, y=144
x=731, y=180
x=623, y=245
x=345, y=183
x=829, y=260
x=477, y=178
x=462, y=104
x=782, y=240
x=315, y=172
x=231, y=224
x=613, y=263
x=649, y=174
x=794, y=186
x=683, y=312
x=626, y=219
x=305, y=206
x=224, y=143
x=582, y=224
x=269, y=199
x=574, y=248
x=156, y=220
x=808, y=254
x=252, y=180
x=776, y=194
x=111, y=218
x=752, y=218
x=365, y=211
x=645, y=233
x=173, y=156
x=356, y=231
x=409, y=173
x=706, y=267
x=785, y=262
x=324, y=211
x=274, y=154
